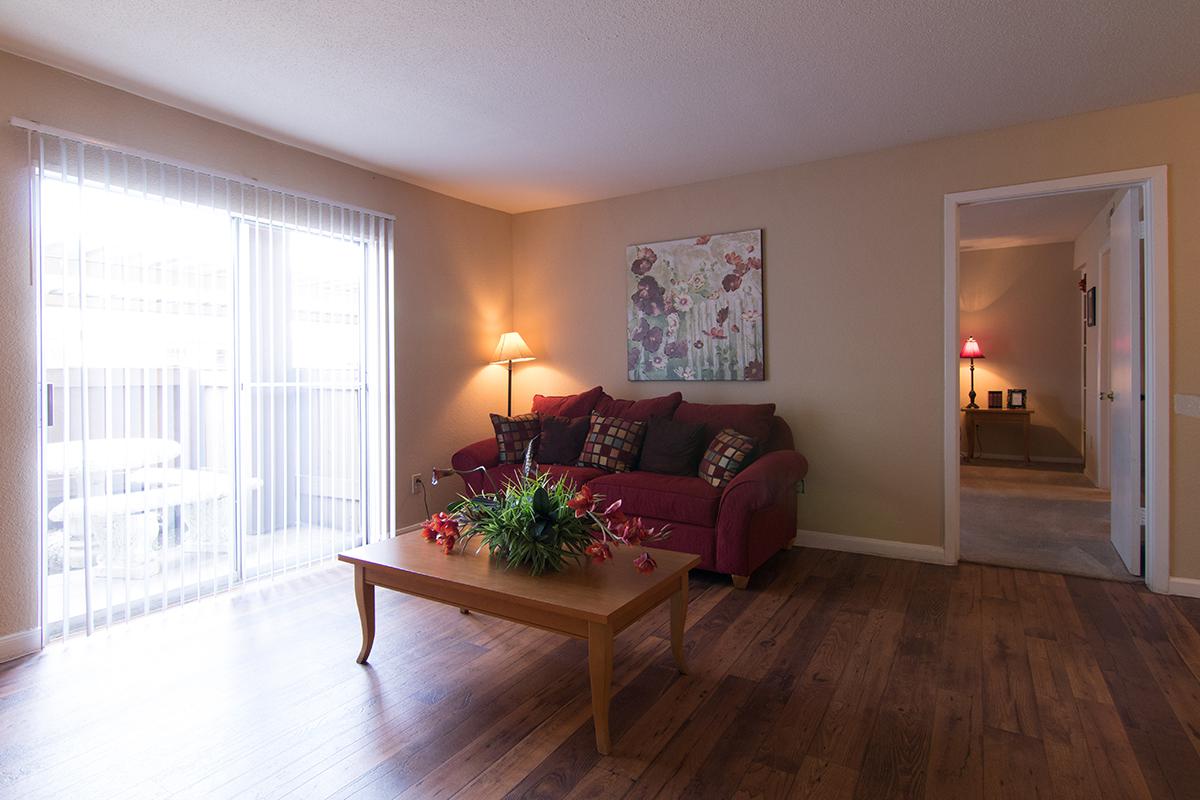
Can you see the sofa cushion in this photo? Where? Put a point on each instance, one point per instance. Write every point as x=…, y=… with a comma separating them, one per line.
x=612, y=444
x=513, y=435
x=570, y=405
x=753, y=420
x=677, y=498
x=672, y=447
x=562, y=439
x=642, y=410
x=726, y=456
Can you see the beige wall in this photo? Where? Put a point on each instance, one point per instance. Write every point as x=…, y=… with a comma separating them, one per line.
x=854, y=296
x=453, y=293
x=1023, y=306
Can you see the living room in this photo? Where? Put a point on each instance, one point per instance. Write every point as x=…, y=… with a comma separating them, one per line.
x=504, y=169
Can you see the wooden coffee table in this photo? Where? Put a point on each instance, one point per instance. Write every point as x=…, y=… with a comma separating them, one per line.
x=587, y=601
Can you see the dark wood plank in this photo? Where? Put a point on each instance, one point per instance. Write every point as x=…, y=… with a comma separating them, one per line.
x=833, y=676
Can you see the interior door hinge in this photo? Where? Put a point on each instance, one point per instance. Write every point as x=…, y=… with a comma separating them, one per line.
x=1141, y=229
x=1142, y=515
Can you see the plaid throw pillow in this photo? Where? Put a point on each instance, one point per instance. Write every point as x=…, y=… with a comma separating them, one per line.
x=612, y=444
x=513, y=435
x=727, y=454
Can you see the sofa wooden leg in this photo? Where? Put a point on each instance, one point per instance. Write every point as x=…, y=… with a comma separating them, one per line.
x=740, y=581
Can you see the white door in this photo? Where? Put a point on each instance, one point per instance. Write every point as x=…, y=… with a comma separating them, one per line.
x=1125, y=380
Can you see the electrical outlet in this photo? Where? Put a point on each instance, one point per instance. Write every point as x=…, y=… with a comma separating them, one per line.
x=417, y=483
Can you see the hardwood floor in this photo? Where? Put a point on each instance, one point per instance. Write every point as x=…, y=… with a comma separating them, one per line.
x=833, y=676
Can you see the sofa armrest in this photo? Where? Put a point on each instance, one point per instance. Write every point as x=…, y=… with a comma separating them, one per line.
x=765, y=481
x=757, y=516
x=484, y=453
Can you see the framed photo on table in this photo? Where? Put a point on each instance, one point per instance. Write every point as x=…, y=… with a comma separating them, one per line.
x=995, y=399
x=1017, y=398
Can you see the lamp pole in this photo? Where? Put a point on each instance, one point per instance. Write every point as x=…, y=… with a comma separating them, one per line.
x=971, y=394
x=509, y=412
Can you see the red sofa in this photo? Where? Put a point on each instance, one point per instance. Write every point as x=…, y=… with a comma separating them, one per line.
x=734, y=529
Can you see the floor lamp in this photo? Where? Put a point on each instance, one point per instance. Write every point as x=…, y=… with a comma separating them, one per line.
x=511, y=349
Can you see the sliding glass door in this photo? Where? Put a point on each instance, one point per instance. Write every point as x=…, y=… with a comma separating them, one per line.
x=216, y=382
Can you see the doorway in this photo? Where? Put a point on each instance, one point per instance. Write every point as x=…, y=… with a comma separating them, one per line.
x=1010, y=491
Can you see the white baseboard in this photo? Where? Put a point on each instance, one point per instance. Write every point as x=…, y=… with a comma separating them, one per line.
x=1034, y=459
x=927, y=553
x=22, y=643
x=1184, y=587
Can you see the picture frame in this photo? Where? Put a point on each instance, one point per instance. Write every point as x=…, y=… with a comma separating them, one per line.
x=696, y=309
x=1089, y=307
x=1017, y=398
x=995, y=399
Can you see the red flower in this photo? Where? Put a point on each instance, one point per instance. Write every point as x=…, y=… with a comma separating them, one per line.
x=702, y=239
x=446, y=524
x=634, y=531
x=644, y=563
x=447, y=542
x=583, y=502
x=715, y=333
x=731, y=282
x=429, y=530
x=613, y=514
x=755, y=262
x=599, y=551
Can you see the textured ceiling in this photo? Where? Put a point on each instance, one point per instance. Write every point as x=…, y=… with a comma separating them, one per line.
x=524, y=104
x=1035, y=220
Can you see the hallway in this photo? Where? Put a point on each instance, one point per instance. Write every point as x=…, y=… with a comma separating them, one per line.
x=1045, y=517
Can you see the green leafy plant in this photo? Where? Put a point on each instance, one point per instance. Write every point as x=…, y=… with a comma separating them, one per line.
x=541, y=523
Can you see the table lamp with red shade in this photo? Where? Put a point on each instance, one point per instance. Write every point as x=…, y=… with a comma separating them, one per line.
x=971, y=350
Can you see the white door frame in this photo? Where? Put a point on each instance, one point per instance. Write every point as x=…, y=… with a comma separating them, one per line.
x=1157, y=408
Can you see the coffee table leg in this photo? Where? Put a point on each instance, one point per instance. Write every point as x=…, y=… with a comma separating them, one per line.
x=678, y=617
x=600, y=657
x=364, y=593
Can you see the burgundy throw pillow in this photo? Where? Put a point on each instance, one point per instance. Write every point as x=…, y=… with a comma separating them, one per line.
x=726, y=456
x=513, y=435
x=612, y=444
x=753, y=420
x=562, y=439
x=570, y=405
x=672, y=447
x=642, y=410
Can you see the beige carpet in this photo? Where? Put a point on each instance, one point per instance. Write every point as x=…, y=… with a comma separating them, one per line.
x=1038, y=517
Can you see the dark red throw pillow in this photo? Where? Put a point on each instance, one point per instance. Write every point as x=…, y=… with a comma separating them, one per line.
x=753, y=420
x=726, y=456
x=513, y=435
x=562, y=439
x=612, y=444
x=643, y=410
x=569, y=405
x=672, y=447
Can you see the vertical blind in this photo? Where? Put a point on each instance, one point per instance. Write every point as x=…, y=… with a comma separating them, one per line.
x=215, y=380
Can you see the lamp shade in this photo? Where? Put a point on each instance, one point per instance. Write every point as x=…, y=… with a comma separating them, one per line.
x=970, y=349
x=511, y=348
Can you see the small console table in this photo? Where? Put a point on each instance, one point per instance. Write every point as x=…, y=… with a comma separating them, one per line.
x=978, y=416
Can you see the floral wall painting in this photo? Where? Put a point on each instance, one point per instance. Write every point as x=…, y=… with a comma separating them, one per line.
x=696, y=308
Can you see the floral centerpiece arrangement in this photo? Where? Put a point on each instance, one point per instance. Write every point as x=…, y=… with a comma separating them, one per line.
x=541, y=523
